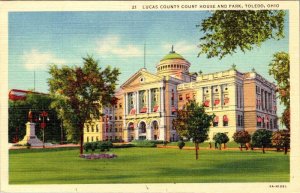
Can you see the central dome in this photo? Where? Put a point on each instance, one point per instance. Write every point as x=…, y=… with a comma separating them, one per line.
x=173, y=64
x=172, y=55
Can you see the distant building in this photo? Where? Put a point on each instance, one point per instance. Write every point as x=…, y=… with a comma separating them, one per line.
x=147, y=102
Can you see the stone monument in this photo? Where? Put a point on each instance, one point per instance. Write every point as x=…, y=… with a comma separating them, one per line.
x=30, y=136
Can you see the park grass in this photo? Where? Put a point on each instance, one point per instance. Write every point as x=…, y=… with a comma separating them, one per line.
x=146, y=165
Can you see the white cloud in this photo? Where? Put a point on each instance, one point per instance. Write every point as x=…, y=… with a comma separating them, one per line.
x=181, y=47
x=113, y=46
x=36, y=59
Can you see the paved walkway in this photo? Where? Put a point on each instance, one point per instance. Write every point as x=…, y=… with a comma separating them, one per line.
x=213, y=149
x=47, y=146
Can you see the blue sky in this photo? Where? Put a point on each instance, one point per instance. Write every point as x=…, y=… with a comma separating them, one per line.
x=117, y=39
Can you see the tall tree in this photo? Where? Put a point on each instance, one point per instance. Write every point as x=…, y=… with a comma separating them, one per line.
x=80, y=92
x=193, y=122
x=280, y=70
x=227, y=31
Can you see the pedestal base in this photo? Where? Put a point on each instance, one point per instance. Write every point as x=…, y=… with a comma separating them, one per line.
x=30, y=136
x=32, y=140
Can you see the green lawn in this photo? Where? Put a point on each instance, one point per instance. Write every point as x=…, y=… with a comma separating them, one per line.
x=146, y=165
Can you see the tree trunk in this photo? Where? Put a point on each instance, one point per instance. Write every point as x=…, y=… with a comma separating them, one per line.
x=285, y=149
x=224, y=145
x=263, y=149
x=196, y=148
x=81, y=140
x=220, y=146
x=241, y=147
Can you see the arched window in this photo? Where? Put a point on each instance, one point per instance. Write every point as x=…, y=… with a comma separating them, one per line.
x=143, y=127
x=87, y=139
x=87, y=128
x=97, y=128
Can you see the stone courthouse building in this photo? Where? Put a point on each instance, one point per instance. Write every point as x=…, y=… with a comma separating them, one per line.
x=147, y=102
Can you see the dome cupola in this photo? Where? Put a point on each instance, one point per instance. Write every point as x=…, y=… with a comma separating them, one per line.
x=173, y=64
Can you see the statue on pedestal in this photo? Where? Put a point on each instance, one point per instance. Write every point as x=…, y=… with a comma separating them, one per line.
x=30, y=136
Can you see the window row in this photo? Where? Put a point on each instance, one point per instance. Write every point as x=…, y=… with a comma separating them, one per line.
x=188, y=96
x=120, y=106
x=92, y=139
x=109, y=118
x=92, y=128
x=266, y=122
x=216, y=121
x=173, y=66
x=111, y=130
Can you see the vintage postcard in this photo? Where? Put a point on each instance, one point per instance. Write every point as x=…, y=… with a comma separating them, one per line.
x=149, y=96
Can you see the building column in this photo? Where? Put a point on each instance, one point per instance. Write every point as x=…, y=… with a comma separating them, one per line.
x=125, y=104
x=148, y=132
x=211, y=97
x=136, y=131
x=161, y=100
x=137, y=109
x=149, y=101
x=221, y=95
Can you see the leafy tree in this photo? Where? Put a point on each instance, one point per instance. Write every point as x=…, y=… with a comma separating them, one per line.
x=227, y=31
x=281, y=139
x=18, y=117
x=80, y=92
x=221, y=138
x=280, y=69
x=241, y=137
x=193, y=122
x=262, y=138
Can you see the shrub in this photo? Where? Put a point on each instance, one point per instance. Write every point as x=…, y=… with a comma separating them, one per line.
x=93, y=146
x=87, y=146
x=143, y=143
x=104, y=145
x=181, y=144
x=123, y=145
x=241, y=137
x=221, y=138
x=262, y=138
x=281, y=139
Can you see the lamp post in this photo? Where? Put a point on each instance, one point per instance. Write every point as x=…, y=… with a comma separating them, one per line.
x=42, y=117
